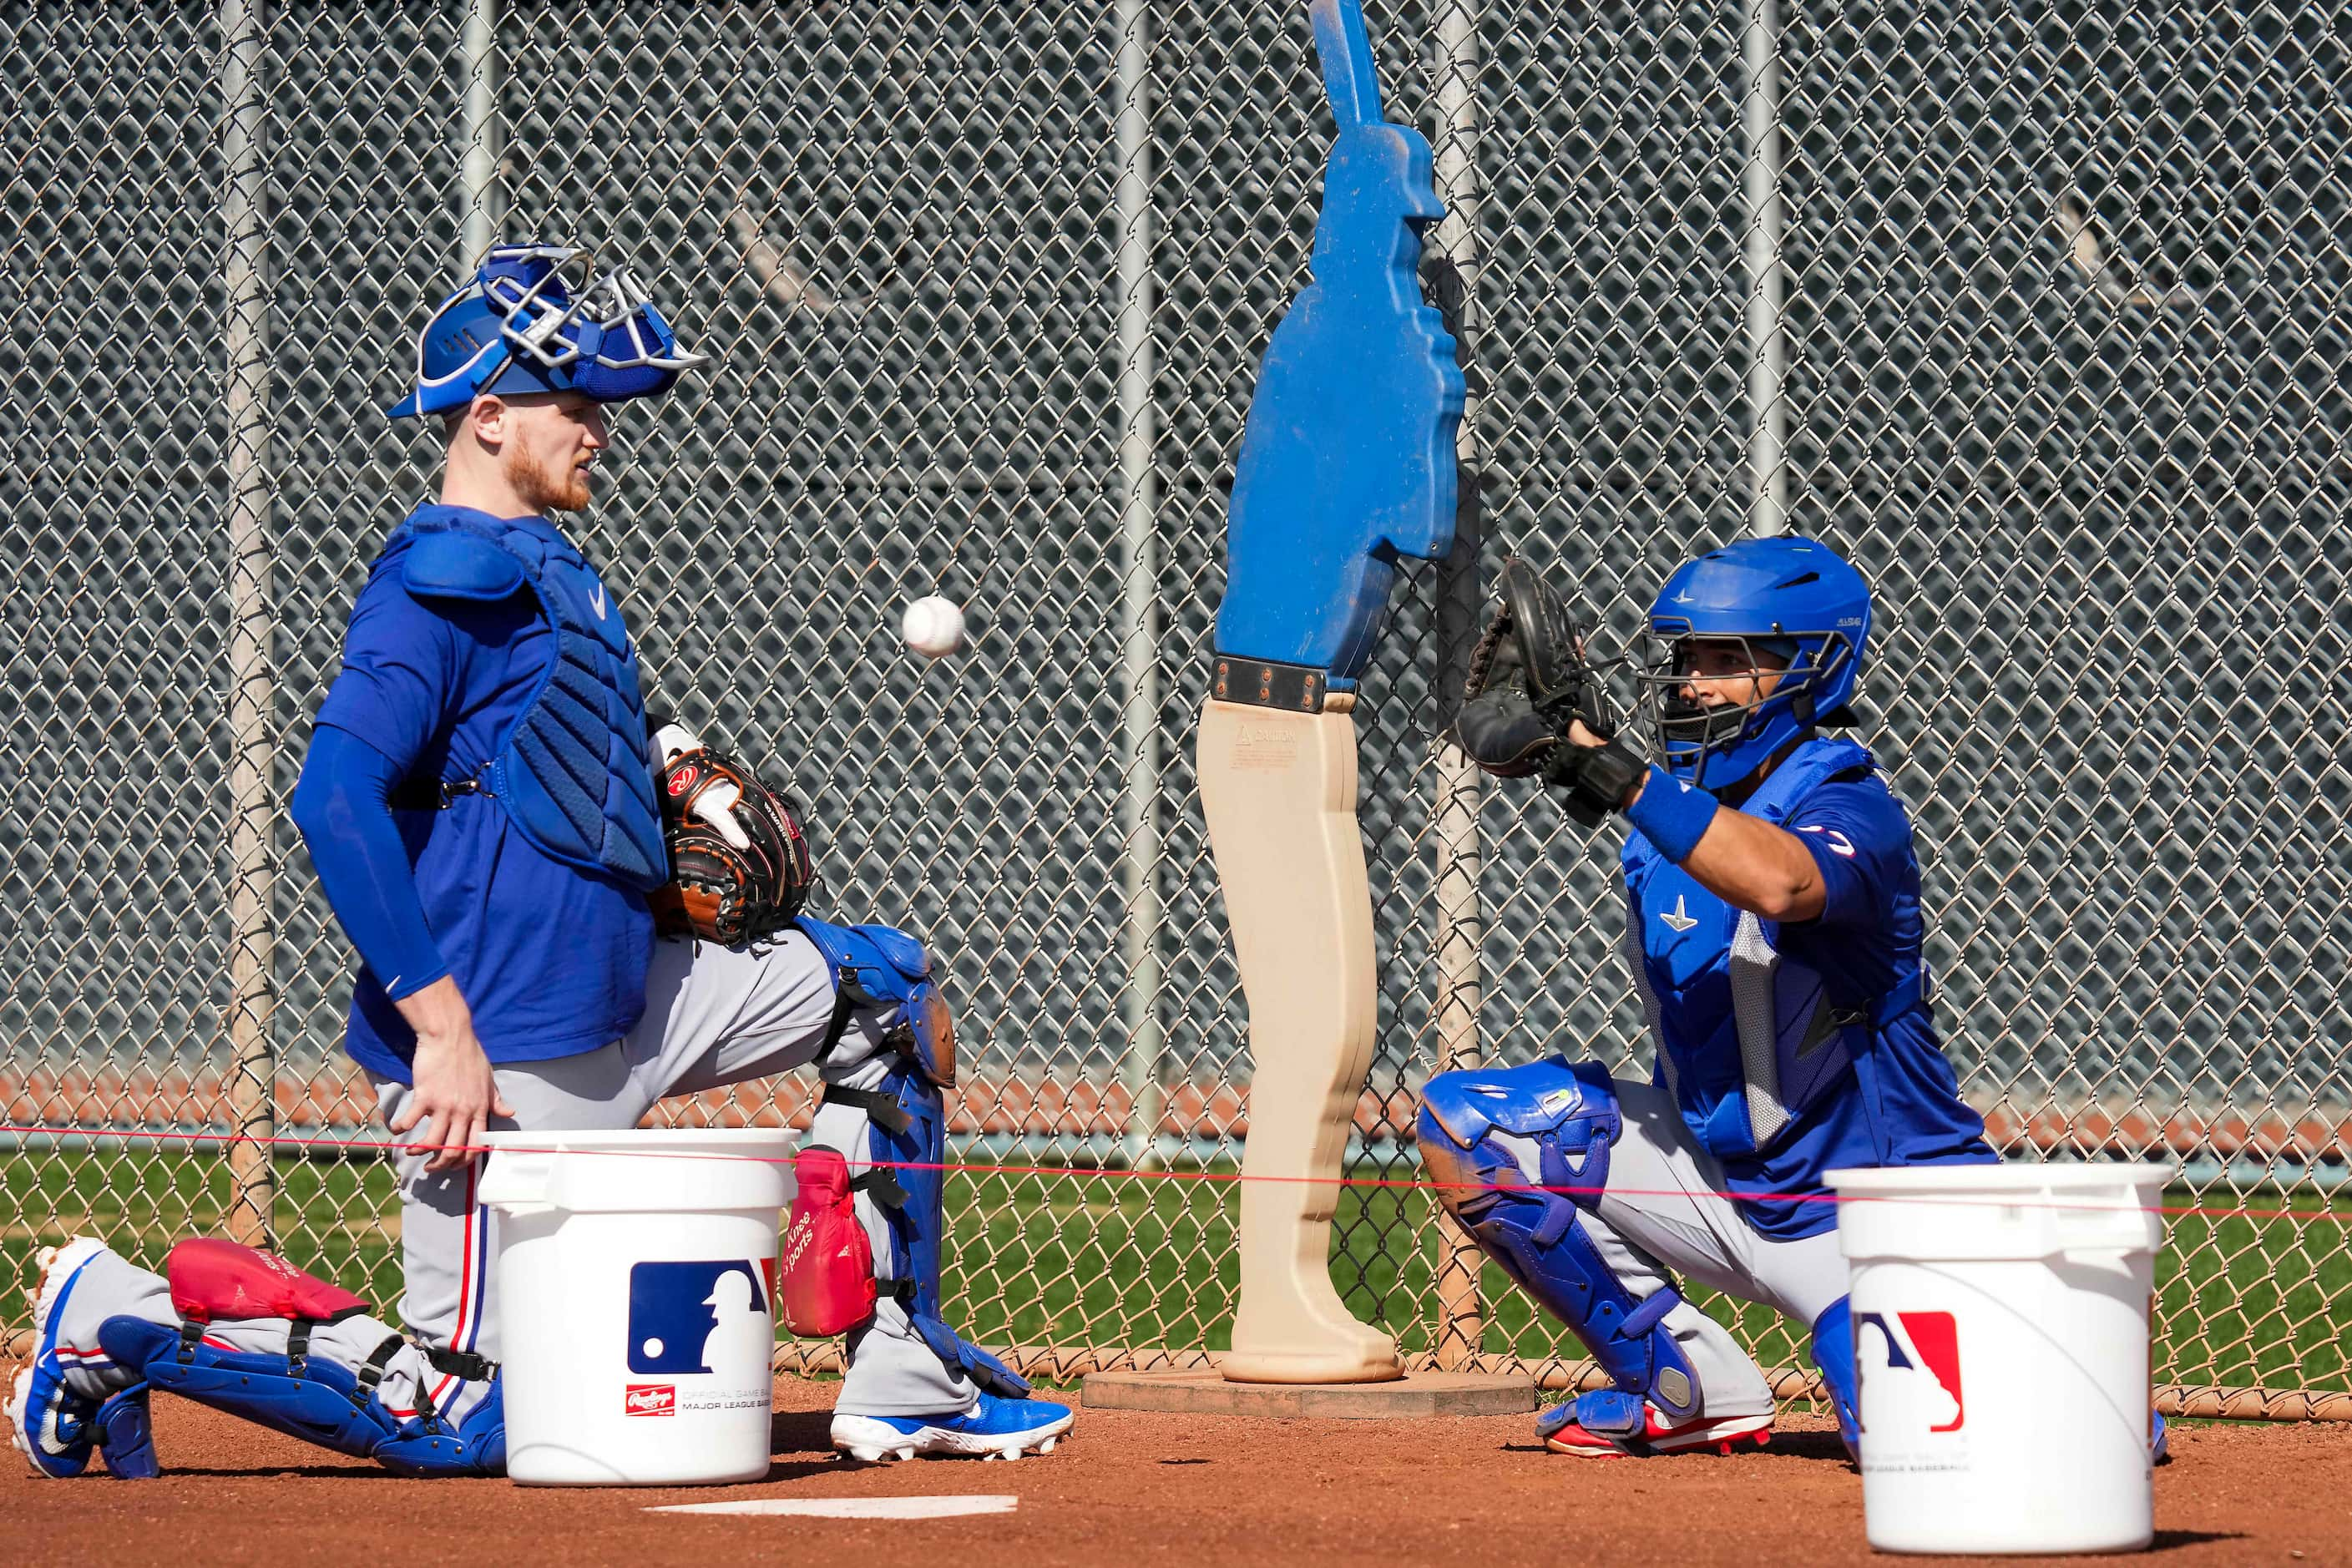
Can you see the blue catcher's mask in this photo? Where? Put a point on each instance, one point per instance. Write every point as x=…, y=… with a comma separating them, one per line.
x=1792, y=604
x=537, y=318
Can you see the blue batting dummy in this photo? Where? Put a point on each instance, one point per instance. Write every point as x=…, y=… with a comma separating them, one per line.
x=1347, y=458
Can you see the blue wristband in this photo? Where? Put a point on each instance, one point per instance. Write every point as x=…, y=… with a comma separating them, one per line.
x=1671, y=814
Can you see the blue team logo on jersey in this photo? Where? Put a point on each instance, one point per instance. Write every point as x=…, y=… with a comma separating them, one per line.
x=681, y=1314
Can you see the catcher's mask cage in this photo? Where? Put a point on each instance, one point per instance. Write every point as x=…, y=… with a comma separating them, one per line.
x=540, y=318
x=1789, y=606
x=1719, y=746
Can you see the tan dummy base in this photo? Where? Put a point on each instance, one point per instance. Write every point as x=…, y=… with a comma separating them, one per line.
x=1204, y=1390
x=1279, y=790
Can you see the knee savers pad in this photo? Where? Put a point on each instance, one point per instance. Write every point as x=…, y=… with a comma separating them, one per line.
x=828, y=1261
x=906, y=1137
x=1479, y=1131
x=883, y=968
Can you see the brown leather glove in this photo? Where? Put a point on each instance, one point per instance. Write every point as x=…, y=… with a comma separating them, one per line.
x=727, y=887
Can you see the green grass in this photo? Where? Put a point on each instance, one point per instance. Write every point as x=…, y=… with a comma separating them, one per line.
x=1074, y=1258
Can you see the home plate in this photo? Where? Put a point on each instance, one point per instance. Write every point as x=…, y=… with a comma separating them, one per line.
x=856, y=1507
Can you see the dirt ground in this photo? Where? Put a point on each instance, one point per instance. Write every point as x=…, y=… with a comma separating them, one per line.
x=1127, y=1487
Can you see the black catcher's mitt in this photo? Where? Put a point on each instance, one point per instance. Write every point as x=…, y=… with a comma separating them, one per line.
x=721, y=890
x=1530, y=678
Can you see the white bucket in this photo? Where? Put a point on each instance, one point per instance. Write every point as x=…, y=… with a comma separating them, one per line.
x=2000, y=1332
x=635, y=1276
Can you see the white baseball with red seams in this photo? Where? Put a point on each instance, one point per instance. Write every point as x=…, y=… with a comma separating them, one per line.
x=933, y=626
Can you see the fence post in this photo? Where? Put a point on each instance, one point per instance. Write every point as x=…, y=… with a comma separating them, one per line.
x=1462, y=1313
x=1139, y=606
x=478, y=223
x=1768, y=339
x=245, y=200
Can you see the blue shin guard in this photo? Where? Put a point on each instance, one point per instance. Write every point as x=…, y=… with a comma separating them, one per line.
x=1493, y=1140
x=906, y=1133
x=1833, y=1355
x=309, y=1397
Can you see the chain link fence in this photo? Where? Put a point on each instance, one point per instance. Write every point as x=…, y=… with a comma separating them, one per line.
x=2042, y=318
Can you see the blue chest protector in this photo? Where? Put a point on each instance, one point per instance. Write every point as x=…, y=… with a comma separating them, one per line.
x=1747, y=1037
x=572, y=773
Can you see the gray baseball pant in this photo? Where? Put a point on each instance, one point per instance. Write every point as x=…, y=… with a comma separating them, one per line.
x=1659, y=1213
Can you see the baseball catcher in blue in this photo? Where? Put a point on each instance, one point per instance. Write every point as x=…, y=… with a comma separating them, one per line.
x=1773, y=931
x=563, y=911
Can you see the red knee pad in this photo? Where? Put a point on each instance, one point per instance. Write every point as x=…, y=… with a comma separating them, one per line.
x=213, y=1280
x=828, y=1266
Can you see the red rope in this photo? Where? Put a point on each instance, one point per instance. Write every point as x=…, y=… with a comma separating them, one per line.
x=1069, y=1172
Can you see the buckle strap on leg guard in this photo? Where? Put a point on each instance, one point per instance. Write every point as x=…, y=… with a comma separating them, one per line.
x=847, y=994
x=883, y=1110
x=370, y=1372
x=883, y=1186
x=459, y=1363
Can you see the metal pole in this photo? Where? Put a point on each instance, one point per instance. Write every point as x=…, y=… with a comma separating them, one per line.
x=245, y=202
x=1768, y=340
x=1139, y=612
x=1461, y=1314
x=478, y=226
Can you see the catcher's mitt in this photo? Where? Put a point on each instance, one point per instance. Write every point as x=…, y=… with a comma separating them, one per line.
x=1530, y=678
x=721, y=890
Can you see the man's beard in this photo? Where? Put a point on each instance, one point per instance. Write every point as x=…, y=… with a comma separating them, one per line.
x=542, y=490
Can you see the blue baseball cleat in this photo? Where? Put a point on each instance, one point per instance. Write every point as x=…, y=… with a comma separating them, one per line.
x=54, y=1426
x=995, y=1428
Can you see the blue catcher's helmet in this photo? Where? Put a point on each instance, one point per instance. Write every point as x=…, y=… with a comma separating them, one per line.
x=538, y=317
x=1788, y=602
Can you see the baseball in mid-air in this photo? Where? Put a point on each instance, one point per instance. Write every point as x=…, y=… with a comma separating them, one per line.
x=932, y=626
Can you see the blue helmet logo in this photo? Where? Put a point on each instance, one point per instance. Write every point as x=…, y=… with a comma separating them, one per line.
x=1796, y=607
x=537, y=318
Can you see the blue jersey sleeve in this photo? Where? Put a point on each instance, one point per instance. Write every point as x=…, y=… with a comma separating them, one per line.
x=402, y=670
x=389, y=707
x=1861, y=840
x=343, y=806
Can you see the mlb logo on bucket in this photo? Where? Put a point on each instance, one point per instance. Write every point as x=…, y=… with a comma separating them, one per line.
x=1909, y=1368
x=710, y=1316
x=649, y=1399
